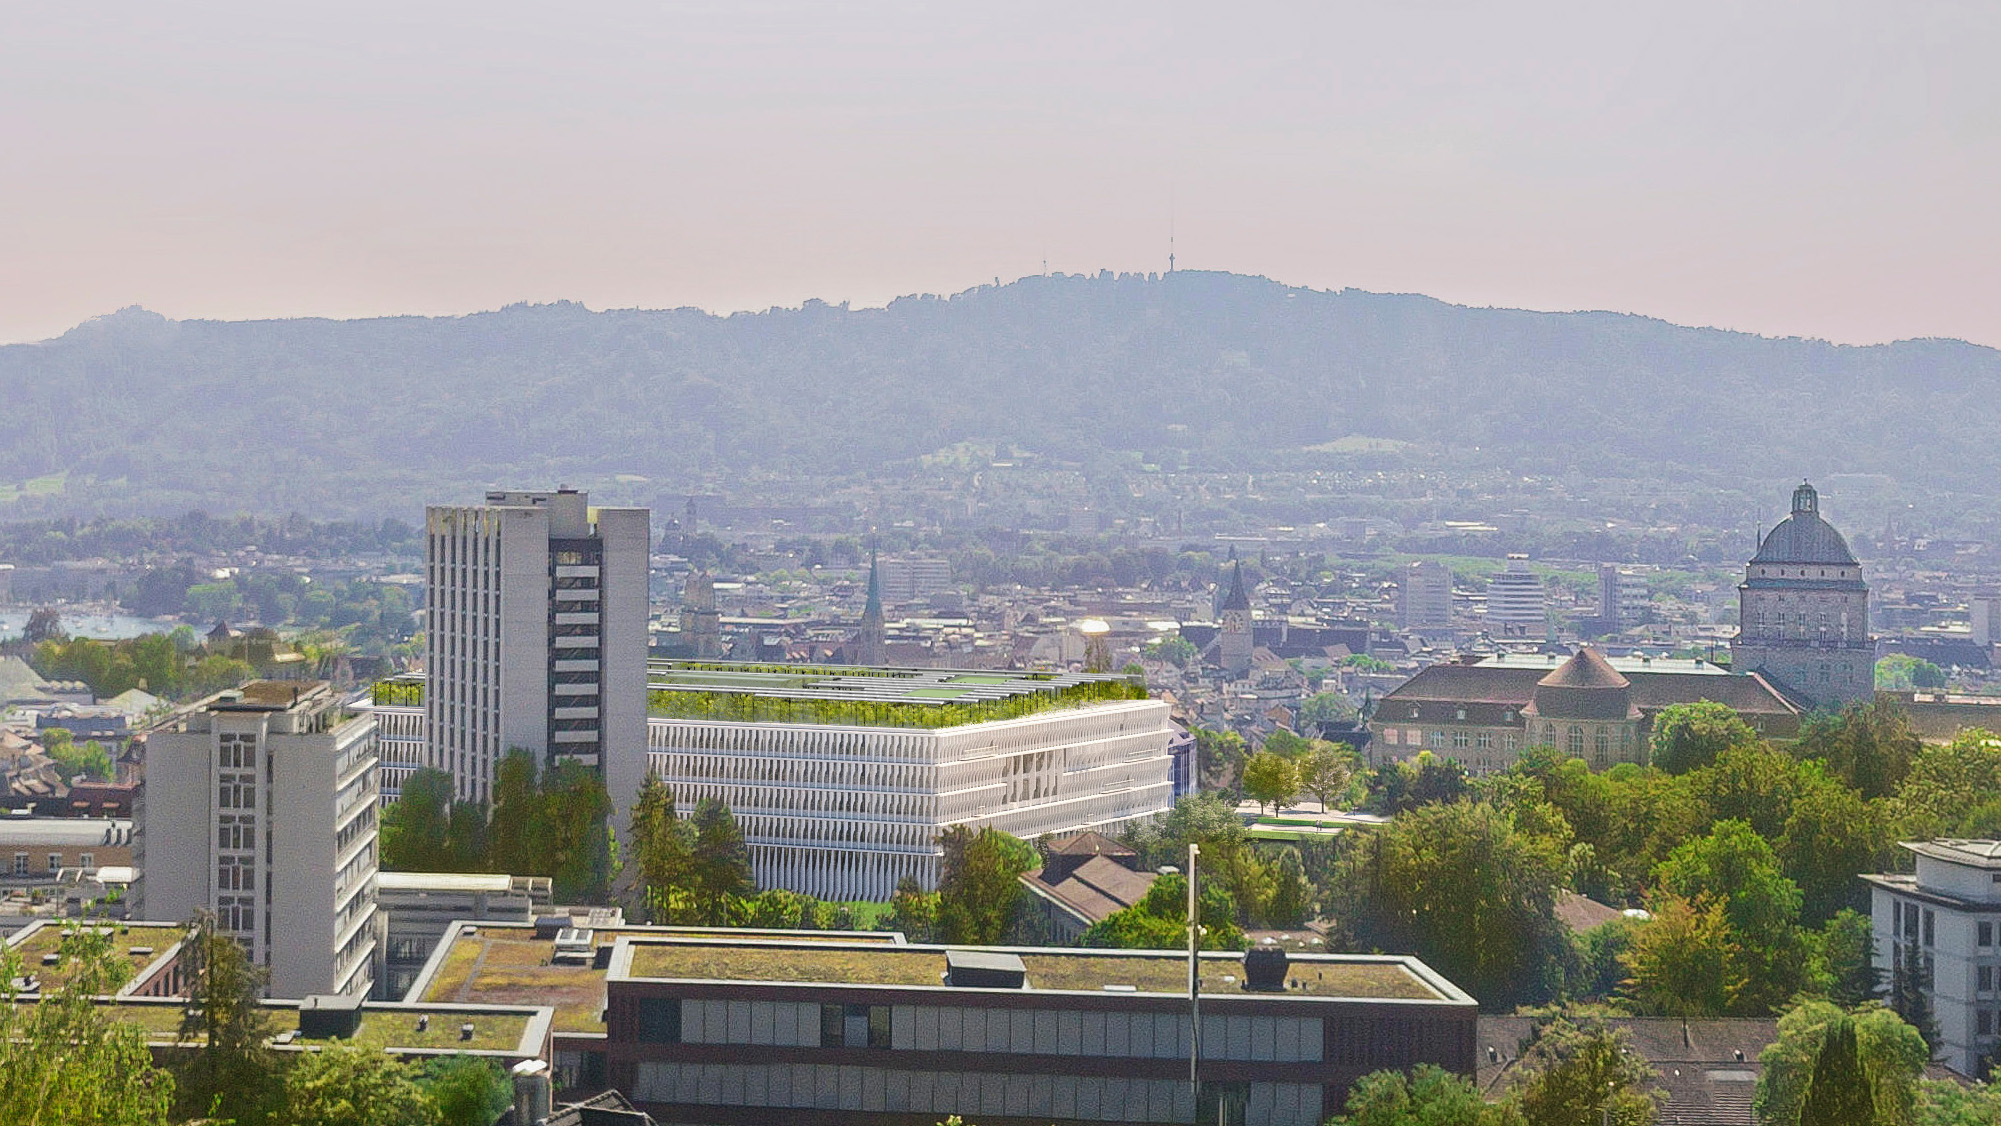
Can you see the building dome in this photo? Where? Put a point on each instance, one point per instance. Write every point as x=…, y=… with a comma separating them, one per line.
x=1804, y=538
x=1584, y=687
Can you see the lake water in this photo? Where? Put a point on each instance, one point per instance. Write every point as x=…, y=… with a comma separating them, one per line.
x=84, y=623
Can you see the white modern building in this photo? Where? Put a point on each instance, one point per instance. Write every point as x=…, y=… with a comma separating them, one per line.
x=535, y=637
x=419, y=907
x=402, y=736
x=1424, y=596
x=260, y=806
x=1937, y=931
x=1515, y=602
x=843, y=778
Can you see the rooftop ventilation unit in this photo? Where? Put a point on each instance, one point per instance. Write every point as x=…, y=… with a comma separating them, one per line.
x=984, y=969
x=573, y=946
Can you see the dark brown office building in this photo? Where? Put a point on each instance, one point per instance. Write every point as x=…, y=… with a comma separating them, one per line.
x=834, y=1033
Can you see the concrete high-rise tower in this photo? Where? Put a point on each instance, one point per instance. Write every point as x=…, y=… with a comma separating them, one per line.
x=1424, y=596
x=535, y=637
x=1803, y=610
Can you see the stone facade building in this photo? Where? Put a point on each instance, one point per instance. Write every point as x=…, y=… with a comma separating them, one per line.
x=1803, y=610
x=1483, y=714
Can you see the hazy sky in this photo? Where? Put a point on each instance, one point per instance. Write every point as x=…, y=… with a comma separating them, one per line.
x=1818, y=168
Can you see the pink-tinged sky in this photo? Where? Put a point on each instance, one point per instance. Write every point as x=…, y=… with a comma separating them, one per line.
x=1817, y=168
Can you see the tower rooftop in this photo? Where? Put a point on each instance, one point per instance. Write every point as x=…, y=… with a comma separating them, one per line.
x=1805, y=538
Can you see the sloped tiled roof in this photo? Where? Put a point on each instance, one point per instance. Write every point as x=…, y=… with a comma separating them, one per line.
x=1584, y=670
x=1097, y=889
x=1454, y=685
x=1090, y=843
x=1709, y=1068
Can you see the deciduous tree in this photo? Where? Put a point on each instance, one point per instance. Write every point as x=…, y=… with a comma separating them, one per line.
x=1459, y=886
x=1159, y=921
x=1326, y=772
x=1689, y=736
x=416, y=828
x=65, y=1060
x=466, y=1090
x=344, y=1085
x=1869, y=745
x=575, y=809
x=1270, y=779
x=1888, y=1057
x=516, y=836
x=1575, y=1073
x=1428, y=1096
x=1734, y=867
x=1684, y=961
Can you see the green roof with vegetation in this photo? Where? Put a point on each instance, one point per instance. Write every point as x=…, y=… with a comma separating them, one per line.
x=1082, y=971
x=394, y=1030
x=869, y=697
x=138, y=943
x=498, y=965
x=398, y=692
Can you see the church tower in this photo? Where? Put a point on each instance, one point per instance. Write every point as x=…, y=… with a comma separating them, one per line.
x=870, y=641
x=701, y=622
x=1803, y=610
x=1234, y=642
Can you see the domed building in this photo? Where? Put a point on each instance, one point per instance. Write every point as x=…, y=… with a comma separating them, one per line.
x=1585, y=709
x=1803, y=611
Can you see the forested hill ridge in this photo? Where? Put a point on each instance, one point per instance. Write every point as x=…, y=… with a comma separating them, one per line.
x=133, y=412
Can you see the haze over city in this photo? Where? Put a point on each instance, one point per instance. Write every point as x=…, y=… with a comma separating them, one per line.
x=874, y=564
x=1788, y=169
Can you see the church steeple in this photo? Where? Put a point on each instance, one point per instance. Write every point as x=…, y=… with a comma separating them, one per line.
x=1234, y=640
x=1236, y=599
x=872, y=612
x=870, y=640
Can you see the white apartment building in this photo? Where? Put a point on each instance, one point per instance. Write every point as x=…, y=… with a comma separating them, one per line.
x=843, y=807
x=1515, y=602
x=535, y=637
x=402, y=737
x=261, y=807
x=1942, y=927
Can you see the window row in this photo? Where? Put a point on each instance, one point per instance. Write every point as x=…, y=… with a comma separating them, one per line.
x=942, y=1094
x=955, y=1028
x=236, y=791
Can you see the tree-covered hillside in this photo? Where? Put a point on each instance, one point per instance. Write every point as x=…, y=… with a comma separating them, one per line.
x=132, y=412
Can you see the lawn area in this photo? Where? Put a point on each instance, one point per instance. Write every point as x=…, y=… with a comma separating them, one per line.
x=867, y=914
x=733, y=962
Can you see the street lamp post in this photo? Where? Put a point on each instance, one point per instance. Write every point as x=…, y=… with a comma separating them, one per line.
x=1194, y=986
